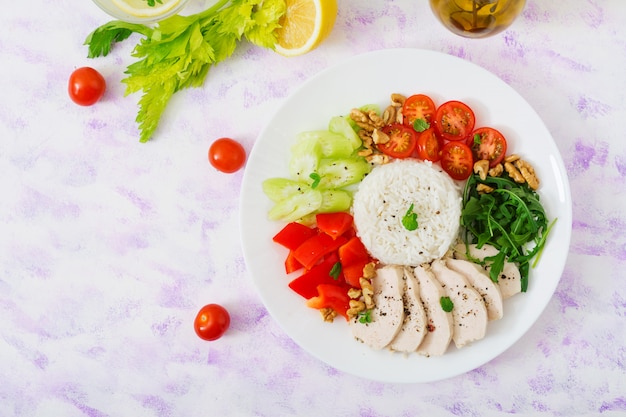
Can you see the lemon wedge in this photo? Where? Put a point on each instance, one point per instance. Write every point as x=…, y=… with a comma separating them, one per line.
x=305, y=24
x=140, y=8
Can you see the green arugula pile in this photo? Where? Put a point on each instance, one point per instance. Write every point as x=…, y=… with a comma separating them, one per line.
x=177, y=52
x=511, y=218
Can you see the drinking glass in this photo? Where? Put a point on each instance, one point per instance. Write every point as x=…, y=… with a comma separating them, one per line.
x=477, y=18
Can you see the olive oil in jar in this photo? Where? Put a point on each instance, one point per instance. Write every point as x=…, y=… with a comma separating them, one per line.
x=477, y=18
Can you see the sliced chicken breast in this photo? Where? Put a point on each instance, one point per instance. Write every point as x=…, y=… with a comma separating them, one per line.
x=480, y=281
x=439, y=322
x=469, y=312
x=387, y=316
x=509, y=281
x=413, y=328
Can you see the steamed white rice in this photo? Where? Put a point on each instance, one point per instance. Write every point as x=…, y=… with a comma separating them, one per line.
x=384, y=197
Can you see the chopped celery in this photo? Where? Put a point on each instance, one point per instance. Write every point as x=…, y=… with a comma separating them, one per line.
x=341, y=125
x=333, y=145
x=296, y=206
x=338, y=173
x=305, y=158
x=277, y=189
x=334, y=201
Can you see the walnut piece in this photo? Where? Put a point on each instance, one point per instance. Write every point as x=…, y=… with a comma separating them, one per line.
x=380, y=137
x=528, y=172
x=481, y=167
x=397, y=100
x=496, y=171
x=484, y=189
x=514, y=173
x=328, y=314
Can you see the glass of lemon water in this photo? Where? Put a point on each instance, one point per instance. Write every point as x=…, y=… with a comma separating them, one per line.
x=477, y=18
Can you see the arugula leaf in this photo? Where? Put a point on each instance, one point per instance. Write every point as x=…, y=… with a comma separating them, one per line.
x=179, y=51
x=511, y=218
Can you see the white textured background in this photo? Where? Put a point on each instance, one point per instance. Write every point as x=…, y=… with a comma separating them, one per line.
x=108, y=247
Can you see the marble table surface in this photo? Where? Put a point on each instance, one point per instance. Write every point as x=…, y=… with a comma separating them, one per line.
x=108, y=246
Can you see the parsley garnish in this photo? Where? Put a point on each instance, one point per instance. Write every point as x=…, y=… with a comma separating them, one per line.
x=316, y=179
x=152, y=3
x=365, y=316
x=419, y=125
x=335, y=271
x=446, y=304
x=477, y=139
x=178, y=51
x=409, y=220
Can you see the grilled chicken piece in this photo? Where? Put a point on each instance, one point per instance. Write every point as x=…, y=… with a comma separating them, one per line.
x=439, y=323
x=469, y=312
x=509, y=281
x=413, y=328
x=388, y=314
x=480, y=281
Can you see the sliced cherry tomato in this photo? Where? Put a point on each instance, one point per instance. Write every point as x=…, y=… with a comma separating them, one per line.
x=292, y=264
x=293, y=235
x=418, y=106
x=401, y=141
x=211, y=322
x=334, y=224
x=353, y=252
x=454, y=120
x=487, y=143
x=227, y=155
x=314, y=249
x=331, y=296
x=429, y=145
x=306, y=284
x=86, y=86
x=457, y=160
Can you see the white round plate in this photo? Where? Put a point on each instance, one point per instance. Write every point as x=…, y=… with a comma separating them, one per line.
x=371, y=78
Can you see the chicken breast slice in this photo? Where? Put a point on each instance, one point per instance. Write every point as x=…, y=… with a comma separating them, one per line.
x=509, y=281
x=438, y=322
x=480, y=281
x=388, y=314
x=469, y=312
x=413, y=327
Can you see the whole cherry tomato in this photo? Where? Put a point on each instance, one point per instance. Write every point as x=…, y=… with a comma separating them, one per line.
x=211, y=322
x=86, y=86
x=227, y=155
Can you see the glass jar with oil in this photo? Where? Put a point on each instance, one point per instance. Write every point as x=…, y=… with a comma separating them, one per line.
x=477, y=18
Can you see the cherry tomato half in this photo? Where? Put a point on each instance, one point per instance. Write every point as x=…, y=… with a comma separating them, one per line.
x=457, y=160
x=454, y=120
x=86, y=86
x=418, y=106
x=487, y=143
x=429, y=145
x=227, y=155
x=401, y=142
x=211, y=322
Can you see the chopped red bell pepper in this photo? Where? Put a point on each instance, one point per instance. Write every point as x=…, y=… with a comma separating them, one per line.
x=334, y=224
x=353, y=273
x=314, y=249
x=291, y=263
x=353, y=252
x=306, y=284
x=293, y=235
x=331, y=296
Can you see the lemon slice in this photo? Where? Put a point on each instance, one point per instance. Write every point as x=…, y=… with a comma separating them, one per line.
x=140, y=8
x=305, y=24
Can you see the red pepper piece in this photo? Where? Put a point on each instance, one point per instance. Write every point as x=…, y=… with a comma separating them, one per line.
x=314, y=249
x=293, y=235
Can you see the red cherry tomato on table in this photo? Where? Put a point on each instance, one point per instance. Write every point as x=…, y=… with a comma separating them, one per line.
x=487, y=143
x=457, y=160
x=401, y=141
x=211, y=322
x=454, y=120
x=86, y=86
x=429, y=145
x=418, y=106
x=227, y=155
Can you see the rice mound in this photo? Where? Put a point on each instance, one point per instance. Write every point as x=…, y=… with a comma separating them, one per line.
x=383, y=199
